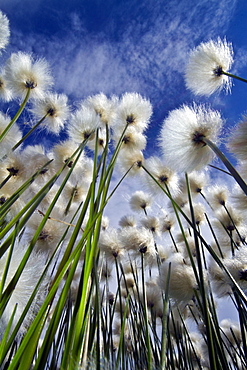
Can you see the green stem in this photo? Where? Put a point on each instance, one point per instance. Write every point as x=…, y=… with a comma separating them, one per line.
x=29, y=132
x=149, y=353
x=228, y=164
x=17, y=115
x=201, y=286
x=165, y=298
x=233, y=76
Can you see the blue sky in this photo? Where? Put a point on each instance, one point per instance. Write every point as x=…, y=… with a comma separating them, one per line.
x=114, y=46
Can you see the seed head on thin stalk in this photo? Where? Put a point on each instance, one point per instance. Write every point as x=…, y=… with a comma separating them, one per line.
x=128, y=282
x=105, y=270
x=104, y=107
x=230, y=241
x=62, y=152
x=182, y=248
x=167, y=222
x=217, y=196
x=137, y=240
x=50, y=234
x=164, y=251
x=197, y=183
x=165, y=176
x=218, y=279
x=35, y=157
x=131, y=162
x=132, y=139
x=74, y=192
x=4, y=30
x=140, y=201
x=133, y=110
x=181, y=199
x=239, y=201
x=13, y=136
x=207, y=62
x=152, y=224
x=182, y=135
x=105, y=223
x=199, y=213
x=229, y=219
x=237, y=141
x=182, y=237
x=16, y=207
x=22, y=72
x=24, y=288
x=110, y=245
x=127, y=221
x=154, y=298
x=13, y=172
x=101, y=141
x=53, y=110
x=182, y=281
x=83, y=124
x=237, y=266
x=5, y=91
x=21, y=165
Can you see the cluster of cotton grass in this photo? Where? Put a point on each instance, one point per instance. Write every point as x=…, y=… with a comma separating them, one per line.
x=76, y=292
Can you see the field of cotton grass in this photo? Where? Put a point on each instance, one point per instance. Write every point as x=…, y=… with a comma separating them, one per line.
x=78, y=293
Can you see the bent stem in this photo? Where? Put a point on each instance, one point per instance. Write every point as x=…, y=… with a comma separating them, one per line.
x=227, y=163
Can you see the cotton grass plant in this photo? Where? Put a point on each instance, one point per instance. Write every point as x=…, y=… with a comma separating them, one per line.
x=78, y=293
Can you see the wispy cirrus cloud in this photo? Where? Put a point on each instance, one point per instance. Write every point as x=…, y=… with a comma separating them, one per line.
x=141, y=47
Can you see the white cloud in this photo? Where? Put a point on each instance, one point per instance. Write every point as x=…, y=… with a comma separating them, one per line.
x=148, y=56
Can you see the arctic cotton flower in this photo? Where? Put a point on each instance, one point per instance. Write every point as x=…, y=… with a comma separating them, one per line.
x=151, y=223
x=104, y=107
x=83, y=124
x=4, y=30
x=197, y=182
x=24, y=287
x=182, y=283
x=140, y=201
x=131, y=161
x=13, y=136
x=15, y=170
x=217, y=196
x=110, y=244
x=133, y=110
x=127, y=221
x=22, y=72
x=132, y=139
x=101, y=141
x=5, y=91
x=206, y=67
x=53, y=109
x=237, y=266
x=62, y=153
x=237, y=142
x=49, y=236
x=165, y=177
x=137, y=240
x=182, y=136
